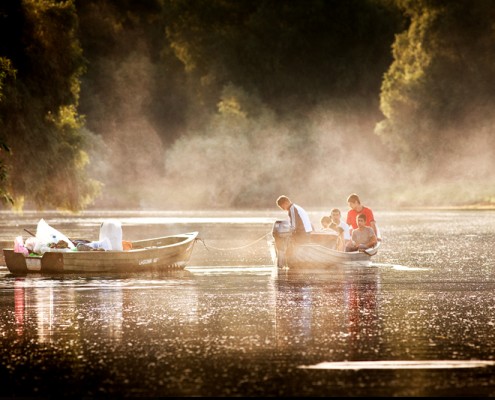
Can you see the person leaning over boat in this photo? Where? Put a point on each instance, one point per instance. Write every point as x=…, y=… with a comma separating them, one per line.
x=357, y=208
x=363, y=237
x=300, y=224
x=340, y=227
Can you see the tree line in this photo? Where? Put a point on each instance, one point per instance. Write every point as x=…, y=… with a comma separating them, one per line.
x=106, y=102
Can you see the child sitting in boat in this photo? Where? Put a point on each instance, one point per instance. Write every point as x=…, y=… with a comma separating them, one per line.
x=325, y=223
x=363, y=237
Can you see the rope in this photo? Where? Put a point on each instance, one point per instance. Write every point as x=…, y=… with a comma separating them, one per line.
x=234, y=248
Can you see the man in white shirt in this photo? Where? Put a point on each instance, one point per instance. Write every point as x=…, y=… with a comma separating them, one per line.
x=300, y=223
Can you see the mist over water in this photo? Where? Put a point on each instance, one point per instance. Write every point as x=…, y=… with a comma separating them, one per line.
x=245, y=157
x=239, y=152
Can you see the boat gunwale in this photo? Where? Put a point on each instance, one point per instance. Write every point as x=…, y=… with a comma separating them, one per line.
x=188, y=237
x=335, y=251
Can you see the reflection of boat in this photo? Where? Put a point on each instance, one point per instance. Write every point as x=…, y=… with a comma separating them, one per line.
x=318, y=253
x=159, y=253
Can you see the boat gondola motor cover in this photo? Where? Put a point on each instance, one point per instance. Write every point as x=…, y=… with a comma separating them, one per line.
x=281, y=228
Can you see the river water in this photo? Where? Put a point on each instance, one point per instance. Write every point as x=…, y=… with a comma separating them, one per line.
x=419, y=322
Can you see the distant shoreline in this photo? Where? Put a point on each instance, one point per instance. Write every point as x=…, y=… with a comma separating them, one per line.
x=475, y=207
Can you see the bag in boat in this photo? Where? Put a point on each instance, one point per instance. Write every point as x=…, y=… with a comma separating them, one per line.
x=19, y=246
x=45, y=234
x=112, y=230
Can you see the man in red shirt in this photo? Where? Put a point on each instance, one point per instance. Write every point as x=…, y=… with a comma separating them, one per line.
x=357, y=208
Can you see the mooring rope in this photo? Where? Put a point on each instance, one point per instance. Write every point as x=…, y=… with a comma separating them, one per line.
x=208, y=247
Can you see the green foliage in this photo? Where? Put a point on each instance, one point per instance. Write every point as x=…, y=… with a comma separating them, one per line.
x=262, y=45
x=440, y=85
x=38, y=118
x=6, y=72
x=213, y=76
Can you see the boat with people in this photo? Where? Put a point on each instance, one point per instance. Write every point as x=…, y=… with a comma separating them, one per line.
x=107, y=255
x=318, y=253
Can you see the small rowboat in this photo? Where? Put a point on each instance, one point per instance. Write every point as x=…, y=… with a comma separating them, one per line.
x=167, y=252
x=319, y=253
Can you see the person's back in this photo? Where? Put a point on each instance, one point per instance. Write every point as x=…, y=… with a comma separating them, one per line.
x=299, y=219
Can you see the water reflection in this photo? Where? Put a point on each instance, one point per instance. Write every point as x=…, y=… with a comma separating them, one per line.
x=19, y=305
x=419, y=322
x=361, y=291
x=36, y=305
x=42, y=305
x=49, y=310
x=111, y=312
x=294, y=311
x=337, y=312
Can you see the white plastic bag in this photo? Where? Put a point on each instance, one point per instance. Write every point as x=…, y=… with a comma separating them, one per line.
x=102, y=244
x=112, y=230
x=30, y=243
x=45, y=234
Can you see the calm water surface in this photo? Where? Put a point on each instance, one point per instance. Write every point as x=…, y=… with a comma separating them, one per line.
x=419, y=322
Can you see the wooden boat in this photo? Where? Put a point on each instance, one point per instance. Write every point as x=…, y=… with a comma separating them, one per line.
x=167, y=252
x=319, y=253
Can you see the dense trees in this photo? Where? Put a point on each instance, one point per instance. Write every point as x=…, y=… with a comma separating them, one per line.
x=6, y=71
x=38, y=119
x=293, y=54
x=439, y=92
x=220, y=68
x=145, y=99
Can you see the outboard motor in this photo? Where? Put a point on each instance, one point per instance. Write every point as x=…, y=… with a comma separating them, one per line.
x=281, y=234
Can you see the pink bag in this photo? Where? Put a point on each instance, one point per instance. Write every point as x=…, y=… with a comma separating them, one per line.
x=19, y=246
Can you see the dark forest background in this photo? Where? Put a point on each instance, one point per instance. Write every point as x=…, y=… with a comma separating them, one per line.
x=174, y=104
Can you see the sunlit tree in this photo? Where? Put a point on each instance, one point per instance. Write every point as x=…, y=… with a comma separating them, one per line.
x=38, y=113
x=292, y=54
x=440, y=88
x=6, y=72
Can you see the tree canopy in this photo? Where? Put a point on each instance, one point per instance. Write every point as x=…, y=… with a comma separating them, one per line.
x=441, y=85
x=38, y=112
x=118, y=103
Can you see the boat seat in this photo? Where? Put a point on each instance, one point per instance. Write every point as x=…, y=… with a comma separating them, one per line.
x=327, y=239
